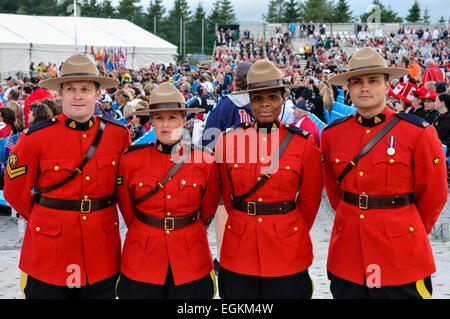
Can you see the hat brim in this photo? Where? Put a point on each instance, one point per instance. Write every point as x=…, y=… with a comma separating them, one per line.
x=342, y=79
x=186, y=109
x=55, y=83
x=288, y=86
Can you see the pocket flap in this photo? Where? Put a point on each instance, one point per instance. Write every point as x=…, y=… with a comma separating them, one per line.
x=110, y=222
x=395, y=228
x=57, y=164
x=194, y=237
x=108, y=160
x=287, y=228
x=50, y=227
x=236, y=226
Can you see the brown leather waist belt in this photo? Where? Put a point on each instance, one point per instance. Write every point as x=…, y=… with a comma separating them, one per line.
x=85, y=205
x=168, y=223
x=365, y=201
x=255, y=208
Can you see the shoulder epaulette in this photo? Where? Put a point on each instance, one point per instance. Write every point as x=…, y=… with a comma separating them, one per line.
x=238, y=126
x=40, y=125
x=414, y=119
x=112, y=121
x=297, y=130
x=338, y=121
x=202, y=148
x=137, y=147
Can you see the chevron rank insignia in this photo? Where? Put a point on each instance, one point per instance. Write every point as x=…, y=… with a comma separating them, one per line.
x=15, y=172
x=119, y=180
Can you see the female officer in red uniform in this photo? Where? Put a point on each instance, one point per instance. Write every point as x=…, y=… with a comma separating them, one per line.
x=167, y=208
x=266, y=249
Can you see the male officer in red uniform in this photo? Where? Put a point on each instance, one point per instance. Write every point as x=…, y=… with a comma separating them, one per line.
x=266, y=249
x=61, y=178
x=388, y=198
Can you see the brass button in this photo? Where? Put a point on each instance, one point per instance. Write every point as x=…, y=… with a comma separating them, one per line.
x=264, y=139
x=391, y=161
x=235, y=165
x=361, y=216
x=260, y=219
x=84, y=217
x=169, y=213
x=295, y=228
x=53, y=119
x=195, y=184
x=288, y=167
x=167, y=231
x=171, y=159
x=169, y=197
x=113, y=163
x=261, y=159
x=140, y=184
x=258, y=178
x=88, y=178
x=260, y=199
x=361, y=173
x=229, y=227
x=337, y=160
x=367, y=131
x=411, y=229
x=116, y=223
x=84, y=135
x=56, y=168
x=38, y=228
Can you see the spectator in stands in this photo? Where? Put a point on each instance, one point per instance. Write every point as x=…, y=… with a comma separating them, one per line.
x=302, y=120
x=54, y=105
x=39, y=112
x=326, y=92
x=8, y=117
x=417, y=106
x=429, y=102
x=18, y=113
x=432, y=72
x=442, y=123
x=139, y=121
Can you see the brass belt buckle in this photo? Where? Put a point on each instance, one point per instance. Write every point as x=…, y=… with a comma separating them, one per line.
x=363, y=201
x=85, y=201
x=251, y=208
x=169, y=225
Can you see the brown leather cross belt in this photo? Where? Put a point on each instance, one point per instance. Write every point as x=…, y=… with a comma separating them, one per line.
x=255, y=208
x=365, y=201
x=85, y=205
x=168, y=223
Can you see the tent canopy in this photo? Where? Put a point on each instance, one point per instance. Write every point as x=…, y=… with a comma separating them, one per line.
x=25, y=39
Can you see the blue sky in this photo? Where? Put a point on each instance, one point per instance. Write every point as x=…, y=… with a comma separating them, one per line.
x=252, y=10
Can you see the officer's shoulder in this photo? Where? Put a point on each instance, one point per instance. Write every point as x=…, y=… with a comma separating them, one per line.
x=414, y=119
x=112, y=121
x=338, y=121
x=137, y=147
x=38, y=126
x=202, y=148
x=297, y=130
x=237, y=126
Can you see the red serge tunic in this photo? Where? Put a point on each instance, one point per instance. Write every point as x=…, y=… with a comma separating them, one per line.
x=57, y=241
x=393, y=242
x=269, y=245
x=148, y=250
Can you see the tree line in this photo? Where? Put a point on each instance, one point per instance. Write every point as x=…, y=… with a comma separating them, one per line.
x=165, y=22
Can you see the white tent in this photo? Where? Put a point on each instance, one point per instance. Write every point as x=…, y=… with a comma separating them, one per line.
x=25, y=39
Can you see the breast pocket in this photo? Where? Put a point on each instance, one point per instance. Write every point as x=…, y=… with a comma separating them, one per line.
x=54, y=171
x=191, y=187
x=338, y=162
x=287, y=176
x=241, y=175
x=107, y=166
x=393, y=171
x=141, y=185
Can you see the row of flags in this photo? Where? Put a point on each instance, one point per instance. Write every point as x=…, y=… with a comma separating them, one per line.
x=109, y=58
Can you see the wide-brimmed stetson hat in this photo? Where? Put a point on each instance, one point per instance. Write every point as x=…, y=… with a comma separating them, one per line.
x=167, y=97
x=79, y=68
x=367, y=61
x=264, y=75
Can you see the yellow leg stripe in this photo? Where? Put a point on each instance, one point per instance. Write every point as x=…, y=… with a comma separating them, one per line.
x=23, y=283
x=213, y=278
x=422, y=290
x=117, y=283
